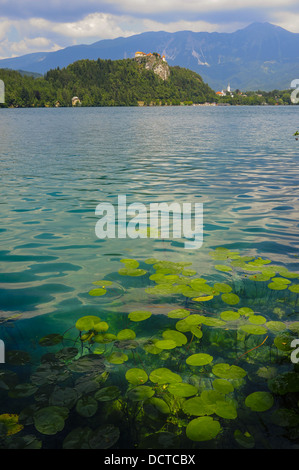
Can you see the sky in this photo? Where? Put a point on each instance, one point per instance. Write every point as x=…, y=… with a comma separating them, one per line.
x=28, y=26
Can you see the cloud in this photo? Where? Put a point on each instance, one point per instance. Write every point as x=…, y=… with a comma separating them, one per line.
x=94, y=25
x=73, y=10
x=287, y=20
x=37, y=25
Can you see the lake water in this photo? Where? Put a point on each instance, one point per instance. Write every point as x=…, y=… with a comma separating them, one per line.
x=57, y=165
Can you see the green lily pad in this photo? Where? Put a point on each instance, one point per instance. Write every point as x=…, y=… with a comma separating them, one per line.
x=246, y=311
x=245, y=439
x=178, y=313
x=223, y=386
x=50, y=340
x=136, y=376
x=229, y=315
x=151, y=348
x=294, y=326
x=132, y=272
x=276, y=326
x=126, y=334
x=87, y=323
x=254, y=329
x=196, y=331
x=196, y=407
x=201, y=429
x=104, y=338
x=223, y=268
x=86, y=406
x=139, y=315
x=226, y=410
x=141, y=393
x=117, y=358
x=107, y=393
x=130, y=263
x=283, y=341
x=225, y=371
x=50, y=420
x=231, y=299
x=294, y=288
x=259, y=401
x=159, y=404
x=22, y=390
x=97, y=292
x=200, y=359
x=17, y=357
x=103, y=283
x=164, y=376
x=257, y=319
x=166, y=344
x=179, y=338
x=222, y=287
x=101, y=327
x=277, y=286
x=183, y=390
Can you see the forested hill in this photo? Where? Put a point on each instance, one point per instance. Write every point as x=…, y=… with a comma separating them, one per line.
x=104, y=83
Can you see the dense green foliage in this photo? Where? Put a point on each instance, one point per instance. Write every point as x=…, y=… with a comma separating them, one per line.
x=105, y=83
x=252, y=98
x=121, y=83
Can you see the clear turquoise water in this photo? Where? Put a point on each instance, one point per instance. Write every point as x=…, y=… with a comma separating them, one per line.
x=57, y=165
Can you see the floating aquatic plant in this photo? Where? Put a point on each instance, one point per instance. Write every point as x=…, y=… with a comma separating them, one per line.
x=173, y=380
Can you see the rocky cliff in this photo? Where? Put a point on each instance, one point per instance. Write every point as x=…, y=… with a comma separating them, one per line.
x=155, y=63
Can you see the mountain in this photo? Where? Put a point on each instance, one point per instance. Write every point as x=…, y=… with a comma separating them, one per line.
x=261, y=56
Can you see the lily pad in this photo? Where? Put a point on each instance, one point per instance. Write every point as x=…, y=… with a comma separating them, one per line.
x=179, y=338
x=141, y=393
x=257, y=319
x=87, y=406
x=50, y=340
x=50, y=420
x=223, y=268
x=200, y=359
x=225, y=371
x=196, y=407
x=259, y=401
x=97, y=292
x=136, y=376
x=201, y=429
x=139, y=315
x=183, y=390
x=87, y=323
x=223, y=386
x=229, y=315
x=117, y=358
x=107, y=393
x=178, y=313
x=231, y=299
x=126, y=334
x=166, y=344
x=164, y=376
x=254, y=329
x=294, y=288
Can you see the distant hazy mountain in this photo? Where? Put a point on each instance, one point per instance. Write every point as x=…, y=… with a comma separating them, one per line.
x=261, y=56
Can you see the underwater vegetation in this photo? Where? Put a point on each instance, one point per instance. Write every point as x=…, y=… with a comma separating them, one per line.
x=217, y=371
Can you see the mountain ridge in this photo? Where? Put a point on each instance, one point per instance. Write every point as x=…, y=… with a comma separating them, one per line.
x=260, y=56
